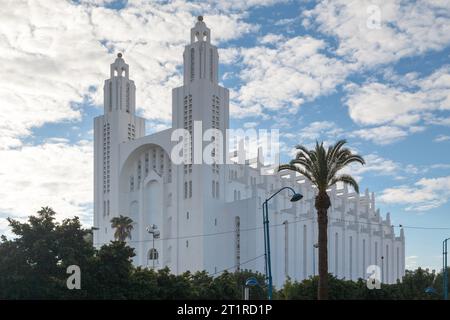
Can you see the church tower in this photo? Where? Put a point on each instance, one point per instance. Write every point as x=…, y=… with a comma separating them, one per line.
x=201, y=104
x=119, y=124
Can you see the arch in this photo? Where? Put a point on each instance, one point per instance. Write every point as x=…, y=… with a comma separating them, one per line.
x=153, y=254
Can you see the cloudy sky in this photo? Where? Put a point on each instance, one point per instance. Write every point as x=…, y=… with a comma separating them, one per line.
x=374, y=72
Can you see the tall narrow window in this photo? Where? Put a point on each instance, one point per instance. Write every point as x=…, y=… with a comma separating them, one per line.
x=376, y=253
x=351, y=257
x=286, y=248
x=305, y=255
x=131, y=183
x=127, y=97
x=387, y=264
x=213, y=189
x=185, y=189
x=211, y=64
x=336, y=254
x=363, y=259
x=192, y=63
x=110, y=95
x=398, y=262
x=217, y=189
x=190, y=189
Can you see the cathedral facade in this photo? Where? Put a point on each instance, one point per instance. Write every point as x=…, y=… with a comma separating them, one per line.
x=209, y=216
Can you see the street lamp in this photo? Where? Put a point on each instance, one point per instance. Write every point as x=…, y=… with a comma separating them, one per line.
x=445, y=268
x=295, y=197
x=153, y=230
x=250, y=282
x=315, y=246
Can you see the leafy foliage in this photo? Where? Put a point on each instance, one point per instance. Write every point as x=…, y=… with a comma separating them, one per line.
x=123, y=226
x=33, y=266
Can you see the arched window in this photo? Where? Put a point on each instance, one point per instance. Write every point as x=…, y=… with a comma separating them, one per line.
x=153, y=254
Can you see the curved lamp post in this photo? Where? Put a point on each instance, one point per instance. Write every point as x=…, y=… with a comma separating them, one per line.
x=250, y=282
x=153, y=230
x=296, y=196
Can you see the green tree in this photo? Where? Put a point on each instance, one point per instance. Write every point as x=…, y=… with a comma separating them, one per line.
x=322, y=168
x=123, y=226
x=33, y=264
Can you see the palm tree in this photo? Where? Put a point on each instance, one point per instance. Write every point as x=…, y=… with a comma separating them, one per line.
x=322, y=168
x=123, y=226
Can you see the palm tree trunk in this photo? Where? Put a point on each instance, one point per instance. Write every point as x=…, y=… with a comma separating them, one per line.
x=322, y=204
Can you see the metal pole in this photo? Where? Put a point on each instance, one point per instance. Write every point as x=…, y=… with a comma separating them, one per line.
x=269, y=266
x=247, y=293
x=265, y=241
x=445, y=269
x=153, y=250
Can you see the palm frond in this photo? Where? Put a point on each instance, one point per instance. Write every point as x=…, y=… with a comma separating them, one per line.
x=346, y=179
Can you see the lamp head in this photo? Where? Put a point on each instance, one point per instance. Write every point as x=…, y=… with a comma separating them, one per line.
x=296, y=197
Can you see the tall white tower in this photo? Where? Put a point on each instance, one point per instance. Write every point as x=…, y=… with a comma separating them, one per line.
x=119, y=124
x=200, y=100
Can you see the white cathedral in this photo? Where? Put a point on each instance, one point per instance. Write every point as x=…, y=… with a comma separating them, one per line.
x=210, y=216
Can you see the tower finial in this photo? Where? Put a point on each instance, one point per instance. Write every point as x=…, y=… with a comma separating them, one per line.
x=200, y=18
x=119, y=55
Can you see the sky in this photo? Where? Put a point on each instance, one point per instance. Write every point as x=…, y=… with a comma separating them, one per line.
x=376, y=73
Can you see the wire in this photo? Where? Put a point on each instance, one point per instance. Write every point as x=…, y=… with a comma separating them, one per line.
x=281, y=224
x=240, y=264
x=217, y=233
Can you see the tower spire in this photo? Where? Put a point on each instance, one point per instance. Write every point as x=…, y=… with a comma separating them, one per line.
x=200, y=32
x=201, y=60
x=119, y=89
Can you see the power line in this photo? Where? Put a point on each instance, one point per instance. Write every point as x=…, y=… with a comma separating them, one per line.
x=217, y=233
x=281, y=224
x=238, y=265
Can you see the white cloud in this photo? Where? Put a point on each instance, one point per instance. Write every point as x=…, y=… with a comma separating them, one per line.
x=53, y=52
x=55, y=174
x=271, y=38
x=397, y=109
x=287, y=75
x=441, y=138
x=381, y=135
x=411, y=262
x=372, y=32
x=320, y=130
x=425, y=194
